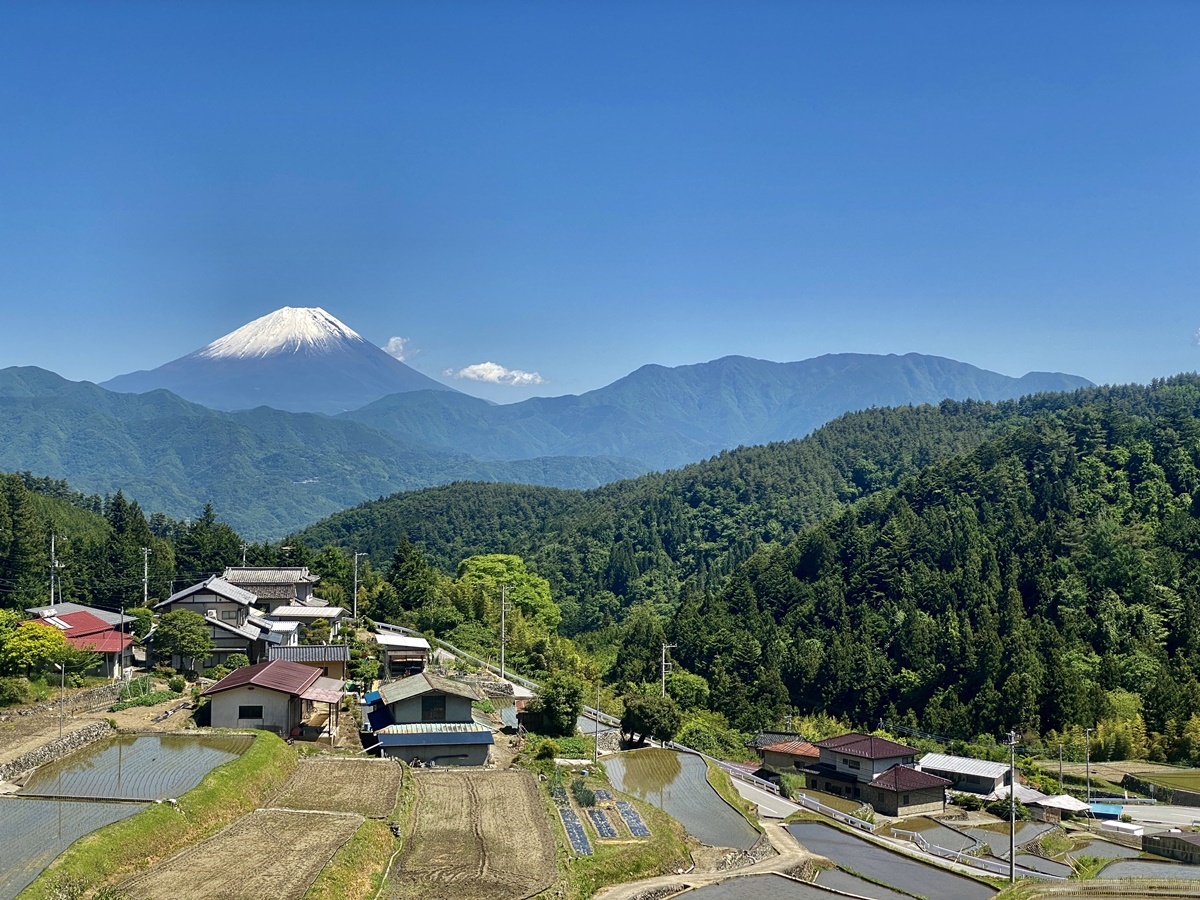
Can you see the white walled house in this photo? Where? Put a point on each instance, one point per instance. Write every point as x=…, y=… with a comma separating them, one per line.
x=273, y=696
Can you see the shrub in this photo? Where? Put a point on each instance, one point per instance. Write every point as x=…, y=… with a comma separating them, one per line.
x=216, y=673
x=177, y=684
x=236, y=661
x=14, y=690
x=969, y=802
x=547, y=749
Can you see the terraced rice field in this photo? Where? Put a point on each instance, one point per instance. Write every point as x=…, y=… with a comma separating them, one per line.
x=888, y=868
x=34, y=832
x=1187, y=780
x=143, y=767
x=365, y=786
x=268, y=853
x=678, y=784
x=1144, y=868
x=475, y=835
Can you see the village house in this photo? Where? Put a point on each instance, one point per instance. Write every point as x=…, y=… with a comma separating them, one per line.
x=976, y=776
x=904, y=791
x=788, y=756
x=84, y=630
x=276, y=586
x=307, y=615
x=278, y=696
x=427, y=719
x=849, y=762
x=229, y=612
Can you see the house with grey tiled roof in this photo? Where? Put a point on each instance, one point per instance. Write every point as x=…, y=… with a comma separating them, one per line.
x=276, y=585
x=332, y=659
x=229, y=613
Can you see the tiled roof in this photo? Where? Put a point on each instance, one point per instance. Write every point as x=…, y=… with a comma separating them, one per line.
x=270, y=575
x=277, y=675
x=766, y=738
x=434, y=727
x=425, y=683
x=866, y=745
x=311, y=653
x=905, y=778
x=213, y=585
x=794, y=748
x=274, y=591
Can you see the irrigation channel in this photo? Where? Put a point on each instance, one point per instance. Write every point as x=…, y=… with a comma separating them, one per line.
x=96, y=786
x=678, y=784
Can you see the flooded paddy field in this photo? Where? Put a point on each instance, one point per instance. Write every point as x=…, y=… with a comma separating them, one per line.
x=677, y=783
x=997, y=836
x=757, y=887
x=1045, y=866
x=1105, y=850
x=137, y=767
x=935, y=833
x=1144, y=868
x=838, y=880
x=34, y=832
x=887, y=867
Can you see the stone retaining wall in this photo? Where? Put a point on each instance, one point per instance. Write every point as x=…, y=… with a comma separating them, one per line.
x=89, y=699
x=56, y=749
x=1174, y=796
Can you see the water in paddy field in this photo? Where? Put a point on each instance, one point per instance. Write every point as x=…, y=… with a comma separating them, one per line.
x=886, y=867
x=1144, y=868
x=34, y=832
x=137, y=767
x=677, y=783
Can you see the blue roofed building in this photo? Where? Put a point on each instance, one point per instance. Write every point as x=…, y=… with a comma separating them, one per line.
x=426, y=719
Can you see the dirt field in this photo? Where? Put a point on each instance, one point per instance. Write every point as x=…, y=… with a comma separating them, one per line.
x=269, y=853
x=475, y=836
x=364, y=786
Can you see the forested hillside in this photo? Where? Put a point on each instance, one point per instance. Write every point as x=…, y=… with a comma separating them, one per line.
x=639, y=540
x=1049, y=578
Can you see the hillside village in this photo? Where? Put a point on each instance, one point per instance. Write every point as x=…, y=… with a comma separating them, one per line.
x=279, y=658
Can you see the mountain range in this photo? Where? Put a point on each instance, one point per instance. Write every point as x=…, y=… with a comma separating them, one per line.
x=272, y=467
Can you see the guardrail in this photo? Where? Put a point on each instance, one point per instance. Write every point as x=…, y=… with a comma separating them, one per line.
x=845, y=818
x=964, y=858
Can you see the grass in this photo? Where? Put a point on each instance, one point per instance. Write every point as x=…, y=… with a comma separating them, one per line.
x=723, y=785
x=1185, y=781
x=134, y=844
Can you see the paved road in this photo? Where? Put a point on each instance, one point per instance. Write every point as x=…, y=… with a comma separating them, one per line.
x=1163, y=816
x=770, y=806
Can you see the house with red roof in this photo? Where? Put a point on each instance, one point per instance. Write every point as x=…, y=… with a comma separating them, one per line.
x=278, y=696
x=86, y=631
x=877, y=771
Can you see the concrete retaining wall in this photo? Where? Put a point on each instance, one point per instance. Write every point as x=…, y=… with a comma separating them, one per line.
x=56, y=749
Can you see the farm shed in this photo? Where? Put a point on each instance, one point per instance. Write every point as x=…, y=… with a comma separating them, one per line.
x=977, y=776
x=331, y=659
x=428, y=698
x=905, y=791
x=403, y=654
x=442, y=744
x=1181, y=845
x=276, y=696
x=788, y=756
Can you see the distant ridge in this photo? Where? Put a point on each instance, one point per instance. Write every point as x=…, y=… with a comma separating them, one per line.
x=666, y=417
x=295, y=359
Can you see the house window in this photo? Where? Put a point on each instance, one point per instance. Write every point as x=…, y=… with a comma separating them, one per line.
x=851, y=763
x=250, y=712
x=904, y=800
x=229, y=615
x=433, y=709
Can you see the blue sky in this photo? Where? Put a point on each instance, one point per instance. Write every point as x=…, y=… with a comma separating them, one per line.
x=577, y=189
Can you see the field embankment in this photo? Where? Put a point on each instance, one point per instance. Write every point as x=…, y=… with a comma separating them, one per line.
x=135, y=844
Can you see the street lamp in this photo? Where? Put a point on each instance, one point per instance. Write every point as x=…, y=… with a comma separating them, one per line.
x=1087, y=750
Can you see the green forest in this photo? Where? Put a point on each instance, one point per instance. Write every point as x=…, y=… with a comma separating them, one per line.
x=963, y=569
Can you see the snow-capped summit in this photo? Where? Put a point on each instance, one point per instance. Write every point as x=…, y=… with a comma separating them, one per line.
x=296, y=359
x=288, y=330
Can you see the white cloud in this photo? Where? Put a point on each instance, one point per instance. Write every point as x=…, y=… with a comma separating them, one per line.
x=494, y=373
x=398, y=347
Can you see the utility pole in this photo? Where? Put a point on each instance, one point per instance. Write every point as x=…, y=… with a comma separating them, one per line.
x=1012, y=807
x=1087, y=764
x=245, y=547
x=596, y=744
x=1060, y=784
x=55, y=565
x=665, y=648
x=145, y=577
x=503, y=633
x=356, y=556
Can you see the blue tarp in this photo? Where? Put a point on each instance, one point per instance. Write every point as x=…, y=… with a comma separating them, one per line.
x=1105, y=810
x=371, y=697
x=379, y=718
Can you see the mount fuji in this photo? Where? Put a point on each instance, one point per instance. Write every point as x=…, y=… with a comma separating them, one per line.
x=294, y=359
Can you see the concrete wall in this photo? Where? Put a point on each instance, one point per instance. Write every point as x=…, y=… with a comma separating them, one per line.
x=281, y=712
x=476, y=754
x=927, y=801
x=458, y=709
